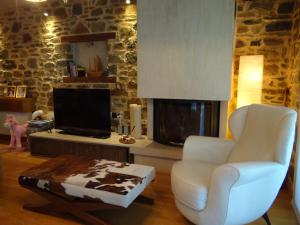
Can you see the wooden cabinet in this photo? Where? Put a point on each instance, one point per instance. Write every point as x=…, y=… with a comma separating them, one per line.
x=52, y=148
x=55, y=143
x=17, y=105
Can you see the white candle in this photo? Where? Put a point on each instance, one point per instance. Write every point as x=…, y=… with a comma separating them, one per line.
x=132, y=107
x=137, y=133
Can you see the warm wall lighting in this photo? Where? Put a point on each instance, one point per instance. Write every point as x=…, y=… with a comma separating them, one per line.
x=250, y=80
x=46, y=14
x=36, y=0
x=128, y=2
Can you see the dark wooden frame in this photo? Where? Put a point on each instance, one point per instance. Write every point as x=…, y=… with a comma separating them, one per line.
x=78, y=208
x=89, y=37
x=100, y=79
x=54, y=147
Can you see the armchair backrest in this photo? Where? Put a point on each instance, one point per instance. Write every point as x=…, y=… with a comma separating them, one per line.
x=262, y=133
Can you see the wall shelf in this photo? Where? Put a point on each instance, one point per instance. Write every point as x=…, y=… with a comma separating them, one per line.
x=100, y=79
x=88, y=37
x=16, y=104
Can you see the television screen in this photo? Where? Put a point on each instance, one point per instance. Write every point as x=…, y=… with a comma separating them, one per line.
x=82, y=111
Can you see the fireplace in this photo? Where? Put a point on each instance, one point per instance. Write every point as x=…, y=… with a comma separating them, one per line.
x=175, y=120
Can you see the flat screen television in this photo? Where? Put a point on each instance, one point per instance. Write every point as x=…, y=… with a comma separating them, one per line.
x=82, y=111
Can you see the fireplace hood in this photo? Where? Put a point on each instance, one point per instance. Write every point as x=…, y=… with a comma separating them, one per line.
x=185, y=49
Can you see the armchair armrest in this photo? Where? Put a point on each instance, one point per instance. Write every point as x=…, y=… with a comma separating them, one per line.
x=207, y=149
x=252, y=171
x=234, y=186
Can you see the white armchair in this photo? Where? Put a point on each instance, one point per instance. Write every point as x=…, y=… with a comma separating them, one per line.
x=234, y=182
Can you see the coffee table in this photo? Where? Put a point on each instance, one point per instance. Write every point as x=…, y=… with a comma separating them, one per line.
x=81, y=184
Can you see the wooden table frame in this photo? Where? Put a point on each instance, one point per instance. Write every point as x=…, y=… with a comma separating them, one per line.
x=75, y=206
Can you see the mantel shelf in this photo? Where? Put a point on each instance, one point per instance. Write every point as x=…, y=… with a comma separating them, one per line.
x=88, y=37
x=100, y=79
x=16, y=104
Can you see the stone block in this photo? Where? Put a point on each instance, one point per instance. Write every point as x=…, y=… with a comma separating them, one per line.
x=32, y=63
x=98, y=27
x=26, y=38
x=286, y=7
x=77, y=9
x=9, y=65
x=16, y=27
x=279, y=26
x=79, y=28
x=240, y=44
x=273, y=41
x=60, y=12
x=97, y=12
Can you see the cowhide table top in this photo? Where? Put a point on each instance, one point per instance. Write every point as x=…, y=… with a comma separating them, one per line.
x=111, y=182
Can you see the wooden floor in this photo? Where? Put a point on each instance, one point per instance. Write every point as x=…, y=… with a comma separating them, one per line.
x=164, y=212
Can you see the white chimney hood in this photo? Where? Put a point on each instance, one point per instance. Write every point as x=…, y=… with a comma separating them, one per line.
x=185, y=49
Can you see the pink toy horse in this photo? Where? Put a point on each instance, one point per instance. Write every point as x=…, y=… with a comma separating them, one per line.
x=16, y=131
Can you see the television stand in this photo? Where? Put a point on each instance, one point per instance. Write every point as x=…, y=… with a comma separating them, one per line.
x=85, y=134
x=55, y=144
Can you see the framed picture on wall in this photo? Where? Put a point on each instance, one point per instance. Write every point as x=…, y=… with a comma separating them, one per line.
x=21, y=91
x=3, y=90
x=11, y=91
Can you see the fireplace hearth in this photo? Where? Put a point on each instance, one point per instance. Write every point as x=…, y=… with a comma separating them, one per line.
x=175, y=120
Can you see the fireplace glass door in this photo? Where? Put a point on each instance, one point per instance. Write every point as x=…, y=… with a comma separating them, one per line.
x=175, y=120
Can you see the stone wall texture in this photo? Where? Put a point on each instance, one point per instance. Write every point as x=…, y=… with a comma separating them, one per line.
x=271, y=28
x=31, y=52
x=294, y=76
x=263, y=27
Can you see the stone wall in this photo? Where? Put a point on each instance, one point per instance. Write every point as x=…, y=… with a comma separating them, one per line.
x=293, y=97
x=32, y=53
x=294, y=76
x=263, y=27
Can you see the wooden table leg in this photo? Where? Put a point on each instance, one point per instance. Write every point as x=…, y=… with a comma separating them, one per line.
x=79, y=209
x=145, y=200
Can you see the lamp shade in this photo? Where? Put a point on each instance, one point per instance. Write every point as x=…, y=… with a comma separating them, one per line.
x=250, y=80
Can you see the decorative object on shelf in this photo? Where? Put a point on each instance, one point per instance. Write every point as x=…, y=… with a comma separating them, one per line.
x=120, y=122
x=126, y=139
x=16, y=131
x=81, y=71
x=3, y=90
x=11, y=91
x=136, y=120
x=21, y=91
x=250, y=80
x=95, y=67
x=40, y=115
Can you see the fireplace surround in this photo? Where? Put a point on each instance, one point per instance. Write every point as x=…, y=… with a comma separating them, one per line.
x=175, y=120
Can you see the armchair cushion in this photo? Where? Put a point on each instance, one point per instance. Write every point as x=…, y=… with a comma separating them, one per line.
x=264, y=133
x=190, y=181
x=207, y=149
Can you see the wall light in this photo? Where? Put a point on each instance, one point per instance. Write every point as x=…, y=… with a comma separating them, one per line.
x=250, y=80
x=45, y=14
x=127, y=2
x=35, y=0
